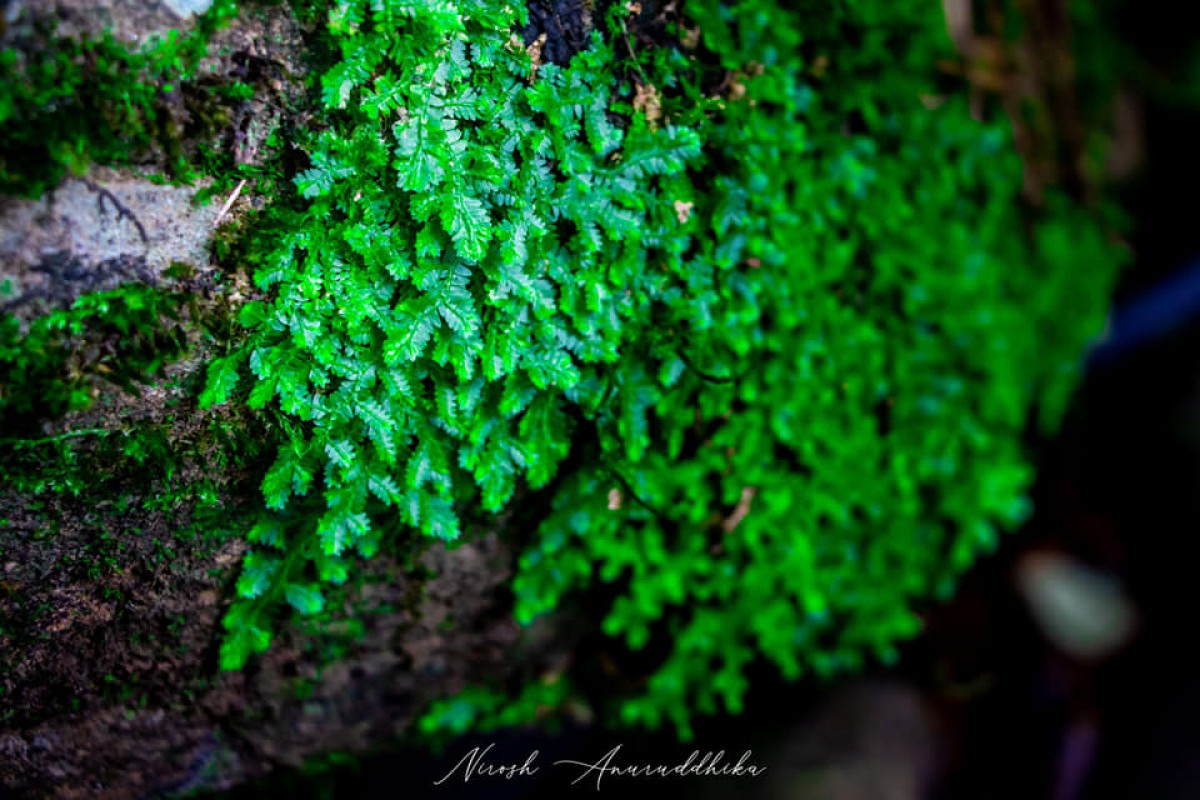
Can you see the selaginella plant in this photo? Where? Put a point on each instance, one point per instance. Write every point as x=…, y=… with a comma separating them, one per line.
x=771, y=290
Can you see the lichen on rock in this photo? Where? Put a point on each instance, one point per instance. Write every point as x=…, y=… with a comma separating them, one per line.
x=95, y=233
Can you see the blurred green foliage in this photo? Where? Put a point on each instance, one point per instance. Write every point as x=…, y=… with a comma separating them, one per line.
x=48, y=366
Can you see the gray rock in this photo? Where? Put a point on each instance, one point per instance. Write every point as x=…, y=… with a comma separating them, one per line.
x=93, y=234
x=187, y=8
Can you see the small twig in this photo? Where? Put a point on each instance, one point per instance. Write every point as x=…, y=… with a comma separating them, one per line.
x=123, y=211
x=633, y=54
x=687, y=362
x=60, y=437
x=229, y=203
x=740, y=510
x=620, y=479
x=535, y=55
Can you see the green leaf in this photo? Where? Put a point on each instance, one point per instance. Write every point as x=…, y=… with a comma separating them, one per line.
x=319, y=180
x=339, y=529
x=551, y=368
x=257, y=573
x=385, y=488
x=341, y=452
x=497, y=477
x=267, y=531
x=331, y=569
x=242, y=643
x=467, y=221
x=277, y=485
x=380, y=428
x=222, y=380
x=418, y=169
x=455, y=304
x=410, y=338
x=438, y=519
x=262, y=393
x=306, y=599
x=253, y=314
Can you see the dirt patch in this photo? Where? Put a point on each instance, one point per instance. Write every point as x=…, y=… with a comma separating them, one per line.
x=566, y=25
x=110, y=682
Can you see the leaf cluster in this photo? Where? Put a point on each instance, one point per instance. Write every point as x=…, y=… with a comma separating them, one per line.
x=895, y=319
x=799, y=312
x=476, y=251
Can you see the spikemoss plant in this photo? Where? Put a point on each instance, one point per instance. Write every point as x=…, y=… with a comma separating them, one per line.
x=759, y=314
x=773, y=293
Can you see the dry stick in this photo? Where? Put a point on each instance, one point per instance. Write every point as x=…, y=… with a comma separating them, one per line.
x=229, y=203
x=60, y=437
x=123, y=211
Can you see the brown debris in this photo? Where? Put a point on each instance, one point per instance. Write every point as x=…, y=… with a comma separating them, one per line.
x=683, y=210
x=535, y=55
x=614, y=499
x=740, y=510
x=647, y=101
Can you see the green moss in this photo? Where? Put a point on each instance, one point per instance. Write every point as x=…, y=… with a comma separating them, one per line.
x=762, y=327
x=48, y=366
x=69, y=102
x=66, y=103
x=787, y=333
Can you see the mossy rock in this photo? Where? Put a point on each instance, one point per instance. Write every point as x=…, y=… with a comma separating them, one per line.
x=725, y=322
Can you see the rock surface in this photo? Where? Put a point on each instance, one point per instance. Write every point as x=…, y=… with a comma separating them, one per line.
x=96, y=233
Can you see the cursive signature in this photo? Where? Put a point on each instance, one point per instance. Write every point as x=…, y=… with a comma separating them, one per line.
x=701, y=766
x=474, y=763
